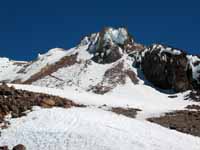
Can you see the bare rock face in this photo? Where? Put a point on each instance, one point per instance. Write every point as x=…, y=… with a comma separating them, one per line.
x=110, y=45
x=167, y=68
x=114, y=76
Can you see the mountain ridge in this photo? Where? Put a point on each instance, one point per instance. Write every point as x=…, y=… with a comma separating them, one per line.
x=165, y=67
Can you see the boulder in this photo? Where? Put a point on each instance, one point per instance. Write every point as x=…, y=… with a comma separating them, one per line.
x=46, y=103
x=19, y=147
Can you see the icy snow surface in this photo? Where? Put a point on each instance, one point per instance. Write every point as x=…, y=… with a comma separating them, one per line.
x=118, y=36
x=91, y=129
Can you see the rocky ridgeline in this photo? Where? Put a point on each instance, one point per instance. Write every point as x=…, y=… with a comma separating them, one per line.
x=16, y=102
x=165, y=67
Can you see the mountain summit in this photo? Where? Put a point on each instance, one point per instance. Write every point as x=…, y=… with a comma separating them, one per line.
x=105, y=60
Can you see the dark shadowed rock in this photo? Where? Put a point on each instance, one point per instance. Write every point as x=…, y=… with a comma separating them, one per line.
x=21, y=101
x=184, y=121
x=194, y=95
x=4, y=148
x=167, y=68
x=111, y=44
x=19, y=147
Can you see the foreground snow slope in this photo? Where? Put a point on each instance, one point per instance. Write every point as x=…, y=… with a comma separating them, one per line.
x=91, y=129
x=150, y=101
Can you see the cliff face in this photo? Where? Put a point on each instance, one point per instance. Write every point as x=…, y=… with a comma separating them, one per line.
x=170, y=68
x=167, y=68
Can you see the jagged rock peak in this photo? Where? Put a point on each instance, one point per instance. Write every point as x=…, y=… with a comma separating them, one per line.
x=115, y=36
x=110, y=44
x=109, y=35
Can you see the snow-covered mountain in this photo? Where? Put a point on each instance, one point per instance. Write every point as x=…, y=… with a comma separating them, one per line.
x=104, y=60
x=106, y=70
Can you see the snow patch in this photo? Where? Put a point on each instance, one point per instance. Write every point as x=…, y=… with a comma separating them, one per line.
x=195, y=68
x=118, y=36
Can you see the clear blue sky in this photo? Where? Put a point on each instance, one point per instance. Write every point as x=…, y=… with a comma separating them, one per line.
x=28, y=27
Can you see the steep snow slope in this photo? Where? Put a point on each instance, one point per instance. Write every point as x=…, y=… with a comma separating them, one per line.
x=21, y=71
x=92, y=129
x=51, y=57
x=77, y=76
x=13, y=70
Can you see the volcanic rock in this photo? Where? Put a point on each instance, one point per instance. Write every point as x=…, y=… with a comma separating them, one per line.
x=4, y=148
x=111, y=44
x=17, y=102
x=167, y=68
x=19, y=147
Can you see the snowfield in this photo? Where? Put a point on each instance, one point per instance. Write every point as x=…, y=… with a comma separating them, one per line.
x=92, y=129
x=150, y=101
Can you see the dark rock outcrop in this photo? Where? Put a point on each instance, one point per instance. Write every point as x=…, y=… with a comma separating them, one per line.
x=114, y=76
x=17, y=102
x=167, y=68
x=194, y=95
x=111, y=44
x=19, y=147
x=4, y=148
x=185, y=121
x=108, y=47
x=110, y=55
x=128, y=112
